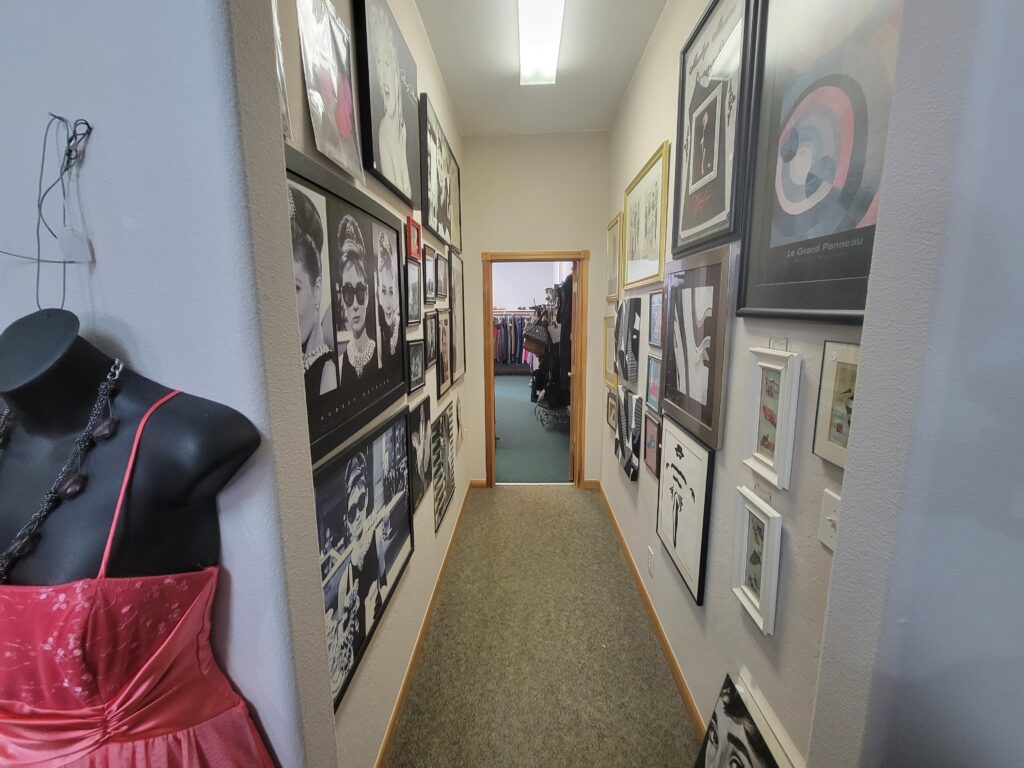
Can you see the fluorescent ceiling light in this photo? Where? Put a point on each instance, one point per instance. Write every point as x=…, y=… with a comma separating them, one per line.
x=540, y=34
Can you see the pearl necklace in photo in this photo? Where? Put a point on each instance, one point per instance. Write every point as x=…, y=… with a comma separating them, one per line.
x=311, y=357
x=360, y=359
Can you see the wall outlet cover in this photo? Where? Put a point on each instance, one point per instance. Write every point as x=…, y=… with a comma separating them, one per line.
x=829, y=525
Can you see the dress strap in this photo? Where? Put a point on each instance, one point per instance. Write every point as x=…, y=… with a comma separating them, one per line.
x=127, y=479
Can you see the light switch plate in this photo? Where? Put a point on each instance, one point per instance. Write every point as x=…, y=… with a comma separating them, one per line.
x=829, y=524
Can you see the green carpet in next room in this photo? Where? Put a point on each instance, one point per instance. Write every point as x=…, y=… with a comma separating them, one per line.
x=527, y=451
x=539, y=652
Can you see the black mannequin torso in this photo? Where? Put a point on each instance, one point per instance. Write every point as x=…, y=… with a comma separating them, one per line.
x=189, y=450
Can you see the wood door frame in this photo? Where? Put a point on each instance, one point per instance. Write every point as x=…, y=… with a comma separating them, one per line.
x=578, y=390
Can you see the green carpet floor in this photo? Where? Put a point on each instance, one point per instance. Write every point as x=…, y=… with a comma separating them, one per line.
x=527, y=451
x=539, y=652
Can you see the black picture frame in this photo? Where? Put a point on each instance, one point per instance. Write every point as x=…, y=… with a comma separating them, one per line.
x=714, y=207
x=430, y=337
x=413, y=293
x=444, y=344
x=612, y=411
x=441, y=176
x=421, y=465
x=416, y=352
x=808, y=257
x=656, y=318
x=442, y=440
x=337, y=415
x=374, y=22
x=333, y=482
x=627, y=340
x=442, y=276
x=429, y=275
x=457, y=305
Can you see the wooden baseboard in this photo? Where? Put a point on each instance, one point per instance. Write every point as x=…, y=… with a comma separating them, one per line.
x=396, y=712
x=591, y=485
x=684, y=690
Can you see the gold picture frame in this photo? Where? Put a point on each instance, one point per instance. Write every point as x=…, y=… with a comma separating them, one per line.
x=638, y=230
x=613, y=258
x=611, y=378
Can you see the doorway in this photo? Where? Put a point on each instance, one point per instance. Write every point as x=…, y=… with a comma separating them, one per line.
x=533, y=400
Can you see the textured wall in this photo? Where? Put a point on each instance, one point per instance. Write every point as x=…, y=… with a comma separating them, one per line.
x=719, y=637
x=922, y=661
x=541, y=192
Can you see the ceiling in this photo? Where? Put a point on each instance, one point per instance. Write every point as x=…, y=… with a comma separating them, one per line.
x=476, y=43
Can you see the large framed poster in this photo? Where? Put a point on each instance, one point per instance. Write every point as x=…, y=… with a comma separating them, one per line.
x=828, y=80
x=715, y=79
x=444, y=352
x=644, y=210
x=458, y=308
x=442, y=441
x=441, y=179
x=349, y=293
x=388, y=100
x=364, y=523
x=697, y=327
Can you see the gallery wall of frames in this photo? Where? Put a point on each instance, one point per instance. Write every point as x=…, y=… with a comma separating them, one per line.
x=374, y=204
x=737, y=259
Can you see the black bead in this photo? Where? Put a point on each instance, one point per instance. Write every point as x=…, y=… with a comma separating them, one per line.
x=106, y=429
x=72, y=486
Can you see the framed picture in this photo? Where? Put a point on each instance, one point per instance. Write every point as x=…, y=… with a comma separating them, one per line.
x=442, y=441
x=612, y=414
x=388, y=102
x=430, y=337
x=652, y=442
x=413, y=239
x=684, y=503
x=654, y=383
x=627, y=339
x=644, y=210
x=417, y=364
x=429, y=275
x=630, y=410
x=456, y=303
x=697, y=290
x=421, y=466
x=839, y=364
x=715, y=89
x=327, y=65
x=444, y=351
x=654, y=318
x=736, y=736
x=820, y=149
x=348, y=288
x=442, y=276
x=442, y=204
x=613, y=255
x=774, y=388
x=755, y=573
x=413, y=293
x=364, y=524
x=611, y=378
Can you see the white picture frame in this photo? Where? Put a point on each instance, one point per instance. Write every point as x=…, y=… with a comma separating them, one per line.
x=774, y=390
x=755, y=584
x=834, y=420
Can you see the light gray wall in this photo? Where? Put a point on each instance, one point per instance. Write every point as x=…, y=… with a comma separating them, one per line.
x=922, y=662
x=522, y=284
x=719, y=637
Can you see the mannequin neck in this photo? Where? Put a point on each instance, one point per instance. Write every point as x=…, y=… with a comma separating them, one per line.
x=49, y=375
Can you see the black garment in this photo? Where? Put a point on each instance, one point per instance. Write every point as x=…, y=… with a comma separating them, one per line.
x=390, y=362
x=314, y=377
x=365, y=577
x=355, y=385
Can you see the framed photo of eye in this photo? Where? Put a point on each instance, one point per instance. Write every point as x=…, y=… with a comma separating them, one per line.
x=698, y=296
x=349, y=292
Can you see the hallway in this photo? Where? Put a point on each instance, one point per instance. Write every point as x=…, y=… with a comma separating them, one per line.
x=539, y=652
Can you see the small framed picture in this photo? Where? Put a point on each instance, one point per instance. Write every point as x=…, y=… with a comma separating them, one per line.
x=652, y=442
x=839, y=364
x=613, y=256
x=430, y=337
x=654, y=318
x=611, y=379
x=774, y=388
x=442, y=276
x=654, y=383
x=429, y=275
x=417, y=364
x=413, y=293
x=755, y=573
x=413, y=239
x=613, y=410
x=684, y=503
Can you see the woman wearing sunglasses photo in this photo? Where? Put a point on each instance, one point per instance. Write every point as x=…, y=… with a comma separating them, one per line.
x=355, y=294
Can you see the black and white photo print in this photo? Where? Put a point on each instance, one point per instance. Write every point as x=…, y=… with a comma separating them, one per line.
x=430, y=337
x=442, y=207
x=417, y=364
x=420, y=451
x=388, y=100
x=413, y=293
x=429, y=275
x=444, y=351
x=442, y=275
x=627, y=340
x=364, y=523
x=733, y=738
x=458, y=309
x=442, y=441
x=628, y=432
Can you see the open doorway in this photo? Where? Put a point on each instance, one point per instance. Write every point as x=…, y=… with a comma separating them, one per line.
x=534, y=342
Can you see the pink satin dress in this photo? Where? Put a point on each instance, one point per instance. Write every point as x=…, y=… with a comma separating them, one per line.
x=118, y=672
